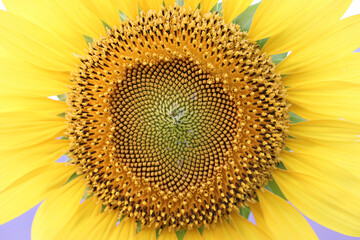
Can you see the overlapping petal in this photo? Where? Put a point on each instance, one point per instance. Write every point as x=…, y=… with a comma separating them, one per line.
x=302, y=31
x=193, y=4
x=34, y=186
x=272, y=17
x=146, y=233
x=322, y=180
x=346, y=69
x=80, y=220
x=34, y=44
x=246, y=228
x=222, y=230
x=125, y=230
x=280, y=219
x=57, y=210
x=146, y=5
x=206, y=6
x=326, y=100
x=332, y=206
x=74, y=16
x=17, y=163
x=329, y=50
x=27, y=129
x=233, y=8
x=20, y=78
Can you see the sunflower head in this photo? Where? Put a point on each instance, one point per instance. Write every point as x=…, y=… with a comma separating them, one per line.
x=176, y=118
x=178, y=121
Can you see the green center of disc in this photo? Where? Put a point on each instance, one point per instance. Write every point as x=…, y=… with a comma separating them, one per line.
x=173, y=126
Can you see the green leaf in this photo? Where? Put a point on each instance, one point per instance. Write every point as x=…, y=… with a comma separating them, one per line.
x=122, y=217
x=63, y=138
x=262, y=42
x=72, y=177
x=106, y=25
x=180, y=234
x=89, y=40
x=122, y=16
x=180, y=2
x=103, y=208
x=274, y=188
x=62, y=97
x=218, y=8
x=201, y=230
x=278, y=58
x=281, y=164
x=245, y=212
x=157, y=233
x=138, y=227
x=294, y=118
x=62, y=115
x=86, y=193
x=245, y=18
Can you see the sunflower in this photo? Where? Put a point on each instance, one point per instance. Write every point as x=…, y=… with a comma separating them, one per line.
x=179, y=119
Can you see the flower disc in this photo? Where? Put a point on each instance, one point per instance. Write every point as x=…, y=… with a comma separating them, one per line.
x=175, y=119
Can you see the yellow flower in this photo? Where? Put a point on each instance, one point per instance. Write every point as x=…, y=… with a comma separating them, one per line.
x=177, y=121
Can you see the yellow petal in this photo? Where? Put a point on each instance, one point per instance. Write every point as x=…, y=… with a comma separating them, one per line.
x=56, y=26
x=167, y=235
x=327, y=131
x=18, y=77
x=146, y=233
x=31, y=189
x=342, y=40
x=169, y=3
x=104, y=10
x=246, y=228
x=283, y=220
x=108, y=10
x=343, y=155
x=221, y=230
x=85, y=213
x=80, y=16
x=320, y=17
x=33, y=44
x=329, y=205
x=260, y=219
x=193, y=4
x=146, y=5
x=272, y=17
x=18, y=103
x=326, y=100
x=18, y=162
x=193, y=234
x=73, y=16
x=4, y=53
x=345, y=69
x=102, y=227
x=128, y=7
x=125, y=230
x=207, y=5
x=57, y=210
x=320, y=167
x=233, y=8
x=24, y=129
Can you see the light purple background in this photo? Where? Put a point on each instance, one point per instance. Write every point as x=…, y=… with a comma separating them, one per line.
x=20, y=227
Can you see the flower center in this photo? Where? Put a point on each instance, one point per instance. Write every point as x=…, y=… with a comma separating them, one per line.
x=175, y=119
x=172, y=128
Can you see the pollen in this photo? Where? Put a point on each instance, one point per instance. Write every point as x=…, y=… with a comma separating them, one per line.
x=176, y=119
